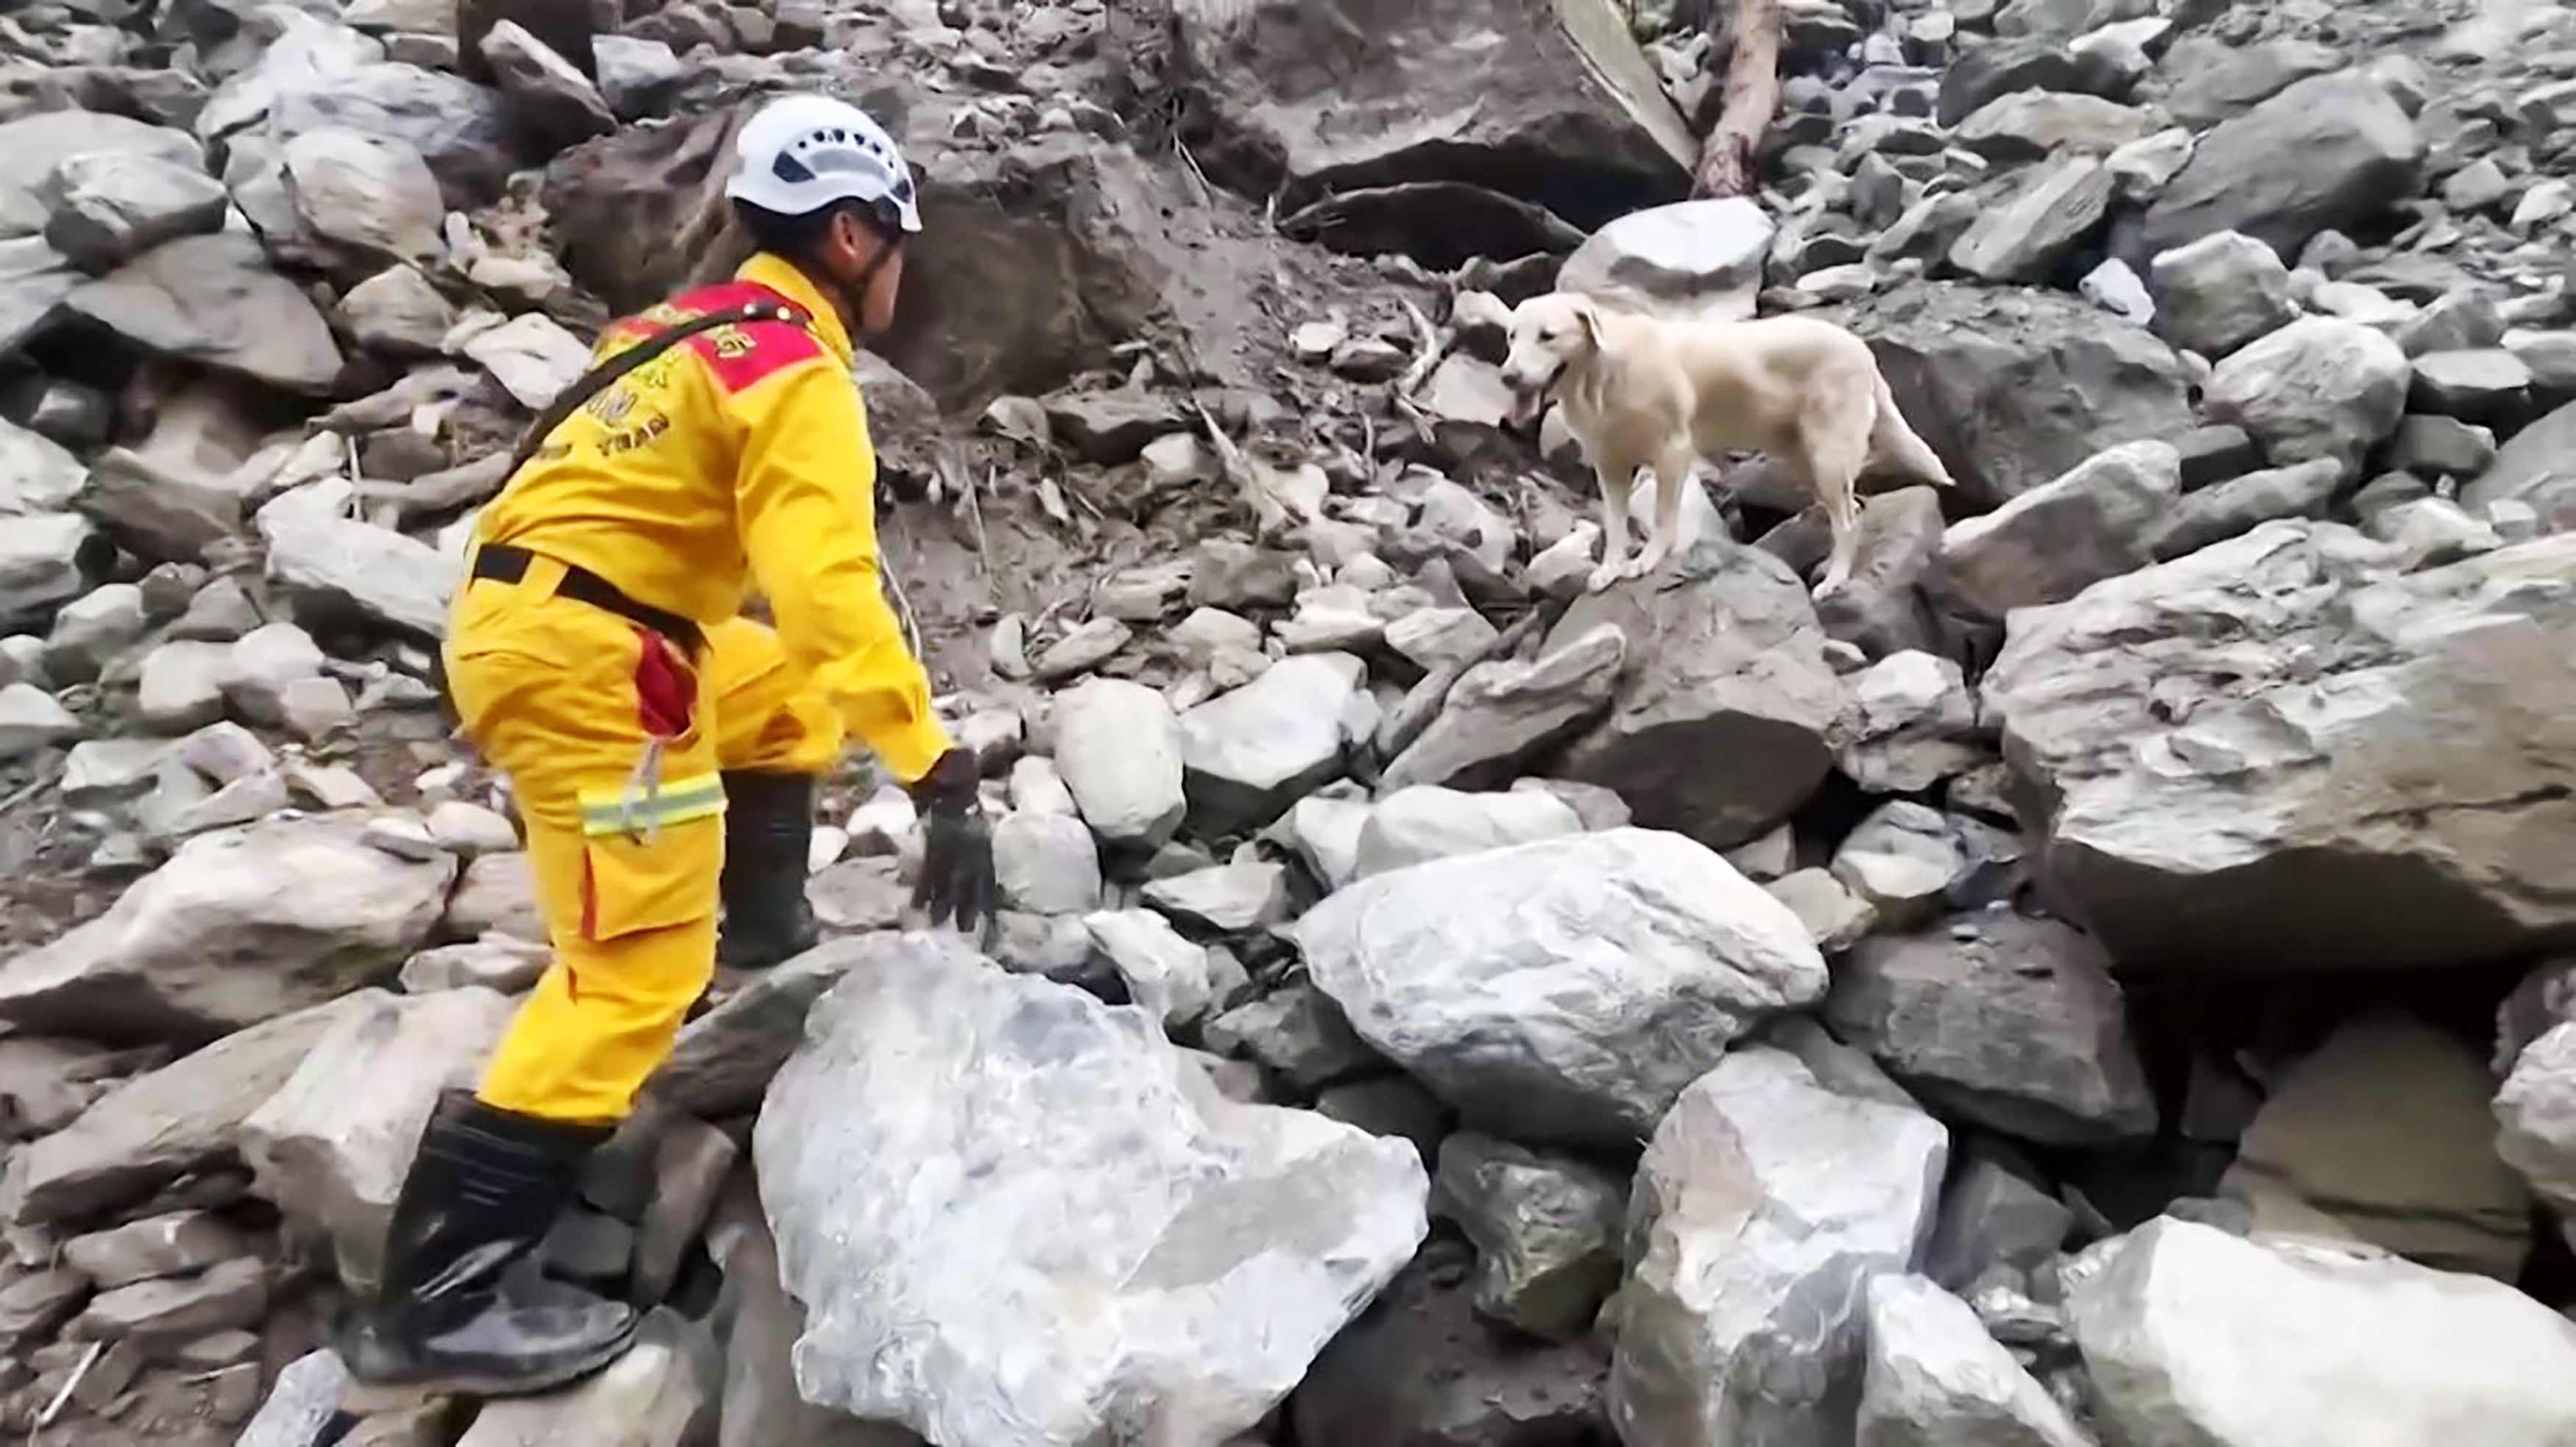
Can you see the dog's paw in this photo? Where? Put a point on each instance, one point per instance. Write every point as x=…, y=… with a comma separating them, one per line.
x=1605, y=575
x=1643, y=565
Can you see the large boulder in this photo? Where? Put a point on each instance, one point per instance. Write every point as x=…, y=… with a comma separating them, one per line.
x=1249, y=754
x=2536, y=1118
x=2537, y=467
x=961, y=1163
x=2014, y=387
x=116, y=205
x=2320, y=387
x=1765, y=1203
x=2100, y=520
x=33, y=148
x=1727, y=714
x=240, y=926
x=2383, y=1135
x=1690, y=261
x=1557, y=106
x=2276, y=754
x=1120, y=751
x=185, y=1117
x=2357, y=153
x=1564, y=990
x=319, y=75
x=1936, y=1379
x=335, y=569
x=213, y=299
x=2343, y=1346
x=2011, y=1022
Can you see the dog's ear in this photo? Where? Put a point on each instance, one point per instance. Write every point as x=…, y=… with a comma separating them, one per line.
x=1588, y=316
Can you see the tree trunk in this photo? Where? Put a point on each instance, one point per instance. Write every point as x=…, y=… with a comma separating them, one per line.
x=1750, y=99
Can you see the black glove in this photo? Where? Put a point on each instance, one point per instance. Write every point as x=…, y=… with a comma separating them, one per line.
x=957, y=854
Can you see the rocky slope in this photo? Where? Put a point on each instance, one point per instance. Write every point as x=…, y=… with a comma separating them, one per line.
x=2096, y=980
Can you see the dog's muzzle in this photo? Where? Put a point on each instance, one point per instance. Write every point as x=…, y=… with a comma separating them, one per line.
x=1530, y=403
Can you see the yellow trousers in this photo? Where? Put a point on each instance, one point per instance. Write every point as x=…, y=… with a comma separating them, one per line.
x=625, y=841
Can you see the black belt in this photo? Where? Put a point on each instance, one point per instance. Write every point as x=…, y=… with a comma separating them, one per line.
x=503, y=563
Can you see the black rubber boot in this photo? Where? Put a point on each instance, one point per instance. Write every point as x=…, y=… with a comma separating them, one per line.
x=769, y=838
x=461, y=1312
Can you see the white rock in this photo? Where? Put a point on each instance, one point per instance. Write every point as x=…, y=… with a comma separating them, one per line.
x=1913, y=724
x=470, y=829
x=1046, y=864
x=31, y=721
x=46, y=559
x=397, y=310
x=1434, y=638
x=2196, y=1336
x=181, y=685
x=531, y=355
x=1690, y=260
x=333, y=565
x=370, y=194
x=1252, y=752
x=1172, y=978
x=37, y=475
x=1563, y=990
x=2220, y=292
x=1426, y=822
x=1936, y=1379
x=331, y=1147
x=263, y=664
x=1764, y=1204
x=960, y=1160
x=2319, y=387
x=1119, y=749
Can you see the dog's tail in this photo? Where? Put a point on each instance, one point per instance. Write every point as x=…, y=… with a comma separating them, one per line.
x=1892, y=440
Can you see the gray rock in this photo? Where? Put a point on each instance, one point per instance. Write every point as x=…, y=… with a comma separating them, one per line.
x=952, y=1203
x=2033, y=125
x=34, y=281
x=1413, y=825
x=456, y=126
x=34, y=1306
x=2358, y=152
x=1835, y=915
x=1936, y=1379
x=2002, y=67
x=32, y=722
x=2485, y=385
x=2012, y=388
x=46, y=560
x=2537, y=468
x=264, y=664
x=1913, y=725
x=1694, y=260
x=303, y=1403
x=1764, y=1204
x=1229, y=898
x=335, y=569
x=1298, y=1032
x=34, y=148
x=2536, y=1117
x=2098, y=521
x=2216, y=294
x=496, y=894
x=2186, y=719
x=1119, y=749
x=224, y=1297
x=646, y=1398
x=371, y=196
x=182, y=685
x=2023, y=236
x=1991, y=1217
x=2242, y=504
x=2002, y=1020
x=1502, y=712
x=2430, y=531
x=397, y=311
x=1882, y=610
x=113, y=206
x=1903, y=859
x=2439, y=447
x=548, y=95
x=1432, y=638
x=237, y=928
x=495, y=962
x=1251, y=753
x=186, y=1116
x=2172, y=1314
x=92, y=630
x=1046, y=863
x=36, y=474
x=1175, y=980
x=1546, y=1230
x=2383, y=1135
x=723, y=1060
x=1419, y=1369
x=1568, y=99
x=2210, y=79
x=332, y=1146
x=2319, y=387
x=691, y=1162
x=212, y=299
x=635, y=74
x=1654, y=954
x=179, y=1244
x=1727, y=711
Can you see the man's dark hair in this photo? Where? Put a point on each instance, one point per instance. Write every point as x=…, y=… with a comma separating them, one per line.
x=797, y=237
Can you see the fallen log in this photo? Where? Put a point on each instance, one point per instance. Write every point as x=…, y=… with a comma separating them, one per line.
x=1748, y=102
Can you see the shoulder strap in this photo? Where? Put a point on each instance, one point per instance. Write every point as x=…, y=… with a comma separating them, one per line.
x=591, y=383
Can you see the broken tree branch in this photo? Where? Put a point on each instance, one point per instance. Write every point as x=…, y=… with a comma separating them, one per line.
x=1750, y=100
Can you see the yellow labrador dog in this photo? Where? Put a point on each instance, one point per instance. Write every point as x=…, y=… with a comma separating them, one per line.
x=1640, y=392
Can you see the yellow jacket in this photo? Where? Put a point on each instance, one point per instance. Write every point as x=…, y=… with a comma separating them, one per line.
x=740, y=454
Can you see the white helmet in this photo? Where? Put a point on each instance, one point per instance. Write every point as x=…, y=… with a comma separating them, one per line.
x=802, y=153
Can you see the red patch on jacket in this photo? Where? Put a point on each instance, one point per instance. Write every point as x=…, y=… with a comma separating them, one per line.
x=739, y=355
